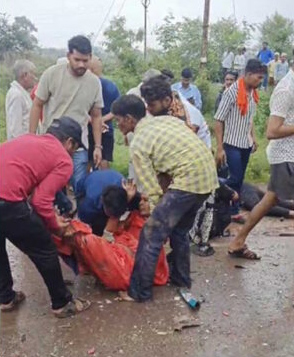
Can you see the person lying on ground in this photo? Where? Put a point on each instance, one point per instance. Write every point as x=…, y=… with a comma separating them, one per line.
x=103, y=197
x=252, y=195
x=212, y=218
x=165, y=145
x=165, y=101
x=33, y=169
x=280, y=154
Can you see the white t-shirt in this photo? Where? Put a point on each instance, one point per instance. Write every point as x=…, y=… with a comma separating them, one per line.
x=228, y=60
x=282, y=105
x=18, y=105
x=197, y=119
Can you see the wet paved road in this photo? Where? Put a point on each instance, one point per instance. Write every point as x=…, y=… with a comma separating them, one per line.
x=248, y=312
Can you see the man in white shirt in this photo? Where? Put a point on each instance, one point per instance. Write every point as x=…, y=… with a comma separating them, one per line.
x=228, y=61
x=240, y=63
x=18, y=102
x=281, y=68
x=280, y=153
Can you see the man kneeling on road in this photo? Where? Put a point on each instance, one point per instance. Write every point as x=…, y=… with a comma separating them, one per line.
x=33, y=169
x=104, y=196
x=165, y=145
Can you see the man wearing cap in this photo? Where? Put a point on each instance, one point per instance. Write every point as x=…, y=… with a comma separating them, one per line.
x=187, y=90
x=27, y=191
x=69, y=89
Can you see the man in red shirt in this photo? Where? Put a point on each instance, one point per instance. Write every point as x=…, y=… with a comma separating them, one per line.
x=33, y=169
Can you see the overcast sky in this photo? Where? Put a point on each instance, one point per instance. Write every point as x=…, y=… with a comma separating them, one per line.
x=58, y=20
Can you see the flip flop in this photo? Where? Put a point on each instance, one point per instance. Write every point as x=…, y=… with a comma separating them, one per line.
x=18, y=299
x=72, y=308
x=244, y=253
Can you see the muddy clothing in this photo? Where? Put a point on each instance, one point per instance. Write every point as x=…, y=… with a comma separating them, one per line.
x=172, y=217
x=166, y=145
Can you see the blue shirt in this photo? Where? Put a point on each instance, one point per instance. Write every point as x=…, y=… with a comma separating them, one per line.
x=265, y=56
x=110, y=93
x=192, y=92
x=91, y=189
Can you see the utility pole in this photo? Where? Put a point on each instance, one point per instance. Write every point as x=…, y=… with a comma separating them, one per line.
x=205, y=33
x=145, y=4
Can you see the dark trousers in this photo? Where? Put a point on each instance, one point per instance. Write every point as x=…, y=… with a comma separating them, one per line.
x=237, y=160
x=172, y=218
x=25, y=229
x=251, y=196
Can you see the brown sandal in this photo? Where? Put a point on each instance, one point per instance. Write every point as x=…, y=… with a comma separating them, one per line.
x=18, y=299
x=244, y=253
x=72, y=308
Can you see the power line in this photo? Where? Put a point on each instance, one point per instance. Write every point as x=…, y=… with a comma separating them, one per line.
x=234, y=8
x=121, y=8
x=103, y=22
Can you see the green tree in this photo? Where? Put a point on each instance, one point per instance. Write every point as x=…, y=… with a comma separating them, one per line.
x=18, y=36
x=124, y=44
x=228, y=34
x=278, y=31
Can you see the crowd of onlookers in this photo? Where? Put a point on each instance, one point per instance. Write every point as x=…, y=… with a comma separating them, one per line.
x=179, y=183
x=276, y=63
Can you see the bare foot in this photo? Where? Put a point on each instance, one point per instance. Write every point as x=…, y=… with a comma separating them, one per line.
x=125, y=297
x=235, y=245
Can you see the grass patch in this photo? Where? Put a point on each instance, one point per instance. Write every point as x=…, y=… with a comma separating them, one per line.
x=120, y=154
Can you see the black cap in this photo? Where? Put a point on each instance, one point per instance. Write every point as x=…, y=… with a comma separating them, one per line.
x=187, y=73
x=69, y=127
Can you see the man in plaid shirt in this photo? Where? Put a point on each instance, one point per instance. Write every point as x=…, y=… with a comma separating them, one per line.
x=164, y=144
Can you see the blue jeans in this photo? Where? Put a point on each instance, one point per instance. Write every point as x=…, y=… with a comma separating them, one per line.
x=265, y=80
x=173, y=217
x=237, y=160
x=80, y=161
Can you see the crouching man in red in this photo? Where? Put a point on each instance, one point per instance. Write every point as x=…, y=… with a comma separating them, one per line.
x=33, y=169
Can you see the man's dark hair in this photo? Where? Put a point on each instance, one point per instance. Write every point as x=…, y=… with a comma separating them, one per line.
x=255, y=66
x=129, y=104
x=265, y=43
x=232, y=73
x=115, y=200
x=167, y=73
x=187, y=73
x=156, y=88
x=81, y=44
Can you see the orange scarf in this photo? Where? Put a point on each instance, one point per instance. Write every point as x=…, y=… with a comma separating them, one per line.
x=242, y=98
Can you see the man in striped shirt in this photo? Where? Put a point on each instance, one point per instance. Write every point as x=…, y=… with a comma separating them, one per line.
x=234, y=127
x=280, y=153
x=165, y=145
